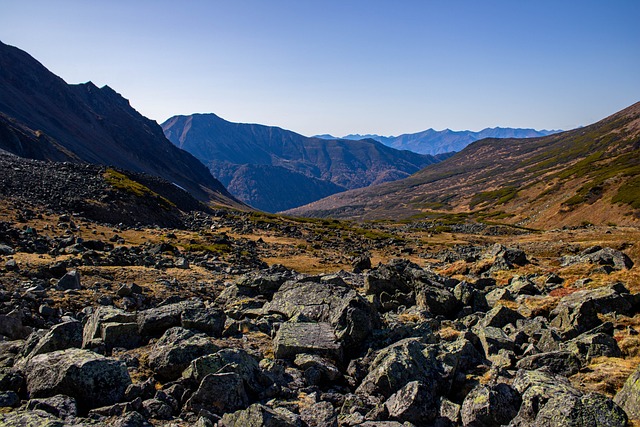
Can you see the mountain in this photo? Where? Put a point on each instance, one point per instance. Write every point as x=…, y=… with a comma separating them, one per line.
x=275, y=169
x=590, y=174
x=435, y=142
x=44, y=118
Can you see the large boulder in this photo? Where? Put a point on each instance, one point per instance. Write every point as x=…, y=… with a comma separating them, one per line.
x=629, y=396
x=415, y=402
x=219, y=393
x=60, y=337
x=558, y=362
x=487, y=406
x=155, y=321
x=578, y=312
x=352, y=317
x=93, y=380
x=112, y=327
x=175, y=350
x=394, y=366
x=551, y=400
x=601, y=256
x=306, y=337
x=258, y=415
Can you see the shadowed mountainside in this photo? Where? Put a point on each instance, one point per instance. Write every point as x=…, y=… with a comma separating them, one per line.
x=44, y=118
x=256, y=160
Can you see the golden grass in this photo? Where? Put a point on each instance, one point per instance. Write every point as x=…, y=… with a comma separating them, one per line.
x=605, y=375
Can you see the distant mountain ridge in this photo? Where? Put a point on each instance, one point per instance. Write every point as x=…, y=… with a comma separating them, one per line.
x=586, y=175
x=274, y=169
x=435, y=142
x=44, y=118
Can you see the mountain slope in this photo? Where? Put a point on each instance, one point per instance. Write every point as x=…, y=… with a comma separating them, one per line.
x=254, y=160
x=84, y=123
x=590, y=174
x=435, y=142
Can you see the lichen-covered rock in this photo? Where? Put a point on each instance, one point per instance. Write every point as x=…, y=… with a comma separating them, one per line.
x=558, y=362
x=415, y=402
x=493, y=340
x=551, y=400
x=351, y=316
x=500, y=316
x=588, y=346
x=437, y=299
x=321, y=414
x=600, y=256
x=93, y=380
x=487, y=406
x=306, y=337
x=629, y=396
x=155, y=321
x=70, y=280
x=209, y=320
x=35, y=418
x=111, y=326
x=173, y=352
x=61, y=406
x=258, y=415
x=60, y=337
x=394, y=366
x=219, y=394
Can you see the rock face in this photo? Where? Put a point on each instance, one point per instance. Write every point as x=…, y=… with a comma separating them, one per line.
x=93, y=380
x=629, y=397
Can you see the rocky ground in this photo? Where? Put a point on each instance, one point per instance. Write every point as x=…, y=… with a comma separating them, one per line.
x=245, y=319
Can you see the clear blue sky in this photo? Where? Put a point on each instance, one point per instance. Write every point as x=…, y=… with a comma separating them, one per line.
x=343, y=66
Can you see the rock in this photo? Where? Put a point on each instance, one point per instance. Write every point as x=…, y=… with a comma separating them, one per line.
x=131, y=419
x=549, y=399
x=6, y=250
x=317, y=370
x=61, y=337
x=11, y=265
x=258, y=415
x=61, y=406
x=70, y=280
x=588, y=346
x=91, y=379
x=11, y=326
x=449, y=413
x=361, y=263
x=578, y=312
x=306, y=337
x=415, y=402
x=437, y=300
x=490, y=406
x=629, y=396
x=519, y=285
x=469, y=296
x=173, y=352
x=128, y=289
x=209, y=320
x=493, y=340
x=219, y=394
x=9, y=399
x=563, y=363
x=600, y=256
x=157, y=409
x=394, y=366
x=34, y=418
x=499, y=294
x=229, y=360
x=500, y=316
x=351, y=316
x=386, y=278
x=321, y=414
x=155, y=321
x=112, y=326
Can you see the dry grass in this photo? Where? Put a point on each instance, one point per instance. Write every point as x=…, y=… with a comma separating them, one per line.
x=448, y=333
x=605, y=374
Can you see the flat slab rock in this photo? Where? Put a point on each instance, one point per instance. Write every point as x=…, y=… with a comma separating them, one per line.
x=307, y=337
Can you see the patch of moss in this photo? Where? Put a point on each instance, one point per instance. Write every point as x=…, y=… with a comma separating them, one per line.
x=122, y=182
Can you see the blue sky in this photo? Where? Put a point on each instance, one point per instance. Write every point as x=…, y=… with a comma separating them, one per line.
x=347, y=66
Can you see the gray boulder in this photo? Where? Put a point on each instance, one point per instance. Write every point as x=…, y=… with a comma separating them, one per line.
x=306, y=337
x=500, y=316
x=155, y=321
x=321, y=414
x=558, y=362
x=173, y=352
x=36, y=418
x=493, y=340
x=209, y=320
x=112, y=327
x=11, y=325
x=258, y=415
x=415, y=402
x=351, y=316
x=601, y=256
x=62, y=336
x=629, y=396
x=93, y=380
x=394, y=366
x=487, y=406
x=219, y=393
x=551, y=400
x=61, y=406
x=70, y=281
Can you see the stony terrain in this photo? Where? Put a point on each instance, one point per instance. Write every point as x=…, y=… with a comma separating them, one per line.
x=234, y=318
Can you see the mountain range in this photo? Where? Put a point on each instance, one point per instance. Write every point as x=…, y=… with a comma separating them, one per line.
x=587, y=175
x=274, y=169
x=435, y=142
x=44, y=118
